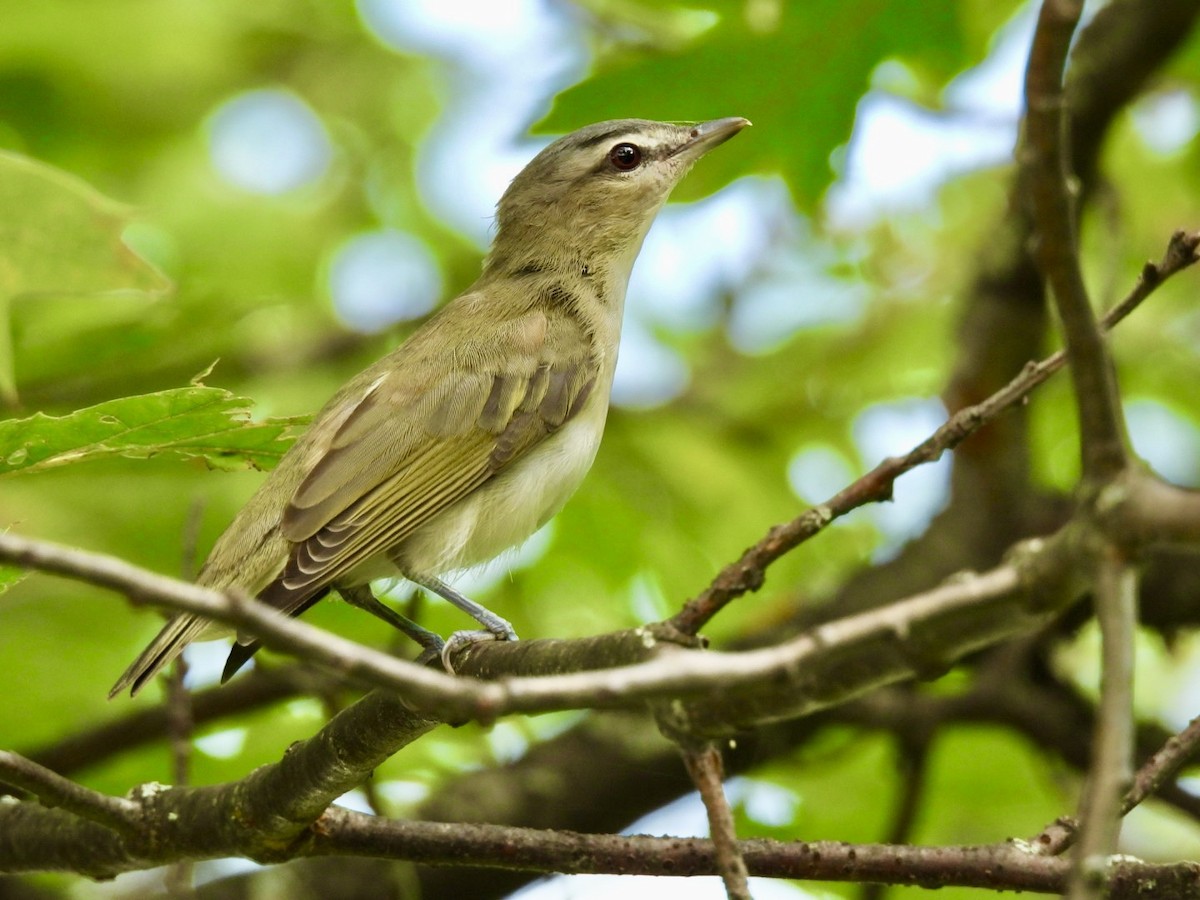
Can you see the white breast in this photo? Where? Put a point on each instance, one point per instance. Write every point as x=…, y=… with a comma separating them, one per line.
x=512, y=506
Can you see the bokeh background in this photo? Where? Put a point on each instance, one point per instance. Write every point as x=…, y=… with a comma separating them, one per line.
x=315, y=177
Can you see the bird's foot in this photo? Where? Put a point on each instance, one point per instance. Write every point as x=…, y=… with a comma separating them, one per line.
x=460, y=640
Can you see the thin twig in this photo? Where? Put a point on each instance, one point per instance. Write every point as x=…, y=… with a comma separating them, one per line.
x=1181, y=252
x=703, y=763
x=1110, y=771
x=1160, y=768
x=1180, y=749
x=749, y=572
x=1044, y=156
x=180, y=725
x=53, y=790
x=179, y=722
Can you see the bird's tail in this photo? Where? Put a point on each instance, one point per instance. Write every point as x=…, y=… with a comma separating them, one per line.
x=179, y=631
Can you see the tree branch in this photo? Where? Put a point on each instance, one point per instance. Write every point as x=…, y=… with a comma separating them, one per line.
x=340, y=832
x=55, y=791
x=266, y=816
x=265, y=686
x=1110, y=771
x=1158, y=770
x=1164, y=765
x=1044, y=156
x=1141, y=509
x=731, y=691
x=749, y=572
x=1004, y=866
x=1119, y=51
x=703, y=763
x=919, y=636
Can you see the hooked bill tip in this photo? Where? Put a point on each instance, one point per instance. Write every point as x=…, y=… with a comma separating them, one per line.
x=730, y=124
x=706, y=135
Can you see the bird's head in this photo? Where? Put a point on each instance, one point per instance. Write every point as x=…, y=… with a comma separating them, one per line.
x=596, y=190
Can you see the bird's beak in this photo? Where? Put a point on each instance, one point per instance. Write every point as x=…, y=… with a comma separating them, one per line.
x=707, y=135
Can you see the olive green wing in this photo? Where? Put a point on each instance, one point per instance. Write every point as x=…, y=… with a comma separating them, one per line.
x=407, y=452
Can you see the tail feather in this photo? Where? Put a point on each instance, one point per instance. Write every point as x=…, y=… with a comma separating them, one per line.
x=184, y=628
x=179, y=631
x=279, y=596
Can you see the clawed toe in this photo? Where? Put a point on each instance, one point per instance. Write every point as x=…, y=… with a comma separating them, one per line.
x=462, y=639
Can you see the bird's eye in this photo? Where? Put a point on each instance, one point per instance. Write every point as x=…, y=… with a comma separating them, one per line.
x=625, y=156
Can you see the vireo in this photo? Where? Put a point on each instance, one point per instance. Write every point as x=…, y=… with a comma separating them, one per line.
x=468, y=437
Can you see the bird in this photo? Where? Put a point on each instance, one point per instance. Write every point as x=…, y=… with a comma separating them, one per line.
x=476, y=430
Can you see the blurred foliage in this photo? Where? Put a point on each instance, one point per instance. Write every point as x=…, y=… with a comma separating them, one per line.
x=829, y=50
x=114, y=99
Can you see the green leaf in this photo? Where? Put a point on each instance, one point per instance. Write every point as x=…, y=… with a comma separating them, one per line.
x=67, y=239
x=796, y=73
x=193, y=422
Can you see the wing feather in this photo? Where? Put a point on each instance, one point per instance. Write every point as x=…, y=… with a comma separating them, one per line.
x=401, y=456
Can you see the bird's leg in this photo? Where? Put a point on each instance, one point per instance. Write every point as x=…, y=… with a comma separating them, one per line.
x=362, y=597
x=497, y=629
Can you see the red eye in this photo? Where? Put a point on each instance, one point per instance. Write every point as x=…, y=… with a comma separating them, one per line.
x=625, y=156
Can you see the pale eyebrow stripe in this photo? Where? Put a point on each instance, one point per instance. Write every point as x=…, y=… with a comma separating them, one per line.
x=602, y=137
